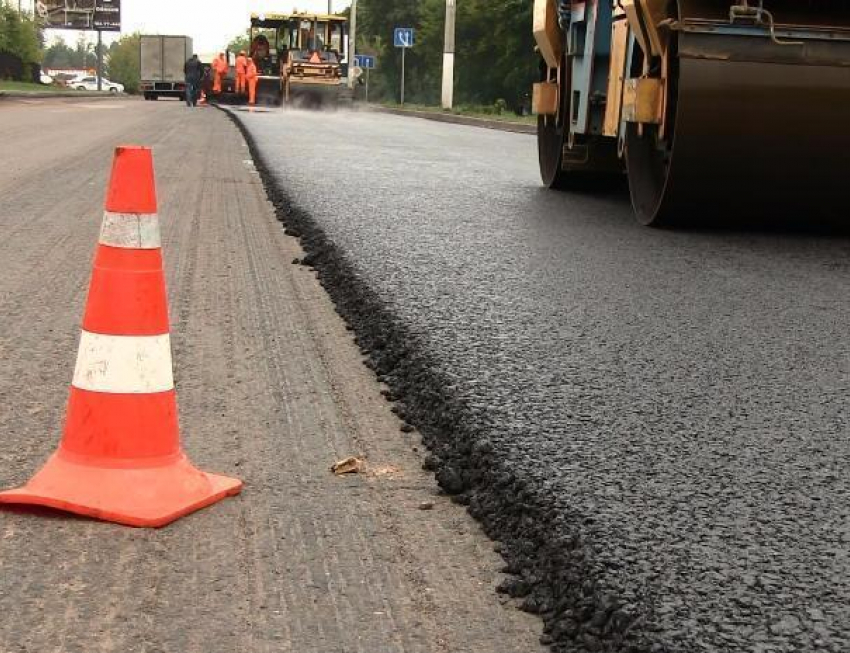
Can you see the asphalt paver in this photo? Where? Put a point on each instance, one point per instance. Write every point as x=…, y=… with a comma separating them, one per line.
x=271, y=389
x=653, y=423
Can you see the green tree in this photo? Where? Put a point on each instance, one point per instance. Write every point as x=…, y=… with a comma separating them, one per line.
x=19, y=36
x=60, y=55
x=494, y=57
x=123, y=63
x=84, y=54
x=376, y=20
x=241, y=42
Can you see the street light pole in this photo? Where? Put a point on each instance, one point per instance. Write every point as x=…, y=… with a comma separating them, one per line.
x=449, y=56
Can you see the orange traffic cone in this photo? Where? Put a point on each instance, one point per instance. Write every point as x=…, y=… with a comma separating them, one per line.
x=120, y=458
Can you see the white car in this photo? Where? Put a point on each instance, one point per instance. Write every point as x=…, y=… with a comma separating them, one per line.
x=89, y=83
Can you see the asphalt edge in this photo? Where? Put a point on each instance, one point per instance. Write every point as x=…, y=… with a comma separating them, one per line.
x=453, y=118
x=550, y=574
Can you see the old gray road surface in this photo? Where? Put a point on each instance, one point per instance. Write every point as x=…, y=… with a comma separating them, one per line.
x=655, y=422
x=271, y=389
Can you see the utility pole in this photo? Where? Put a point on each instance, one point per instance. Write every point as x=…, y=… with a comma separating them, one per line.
x=449, y=56
x=352, y=43
x=99, y=60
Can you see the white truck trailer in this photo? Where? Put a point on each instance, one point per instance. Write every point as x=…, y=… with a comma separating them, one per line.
x=161, y=63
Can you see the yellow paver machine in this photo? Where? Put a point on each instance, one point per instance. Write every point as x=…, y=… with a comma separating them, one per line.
x=300, y=58
x=712, y=107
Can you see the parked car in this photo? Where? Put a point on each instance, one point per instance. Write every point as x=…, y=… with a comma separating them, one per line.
x=89, y=83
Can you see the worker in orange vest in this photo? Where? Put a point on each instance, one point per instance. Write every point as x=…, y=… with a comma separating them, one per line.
x=241, y=70
x=251, y=77
x=220, y=68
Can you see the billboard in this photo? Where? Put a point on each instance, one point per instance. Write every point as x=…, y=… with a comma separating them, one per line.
x=80, y=14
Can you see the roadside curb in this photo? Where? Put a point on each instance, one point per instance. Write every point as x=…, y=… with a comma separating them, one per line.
x=500, y=125
x=104, y=95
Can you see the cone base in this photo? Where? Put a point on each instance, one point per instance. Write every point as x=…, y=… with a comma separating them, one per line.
x=139, y=496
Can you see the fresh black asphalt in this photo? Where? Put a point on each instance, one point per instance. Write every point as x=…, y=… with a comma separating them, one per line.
x=653, y=424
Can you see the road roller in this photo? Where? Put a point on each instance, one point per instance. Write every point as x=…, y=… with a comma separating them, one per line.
x=713, y=109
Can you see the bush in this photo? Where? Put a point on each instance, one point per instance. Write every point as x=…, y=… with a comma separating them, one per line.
x=123, y=63
x=11, y=66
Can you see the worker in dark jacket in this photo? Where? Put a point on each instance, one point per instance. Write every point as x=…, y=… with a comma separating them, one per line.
x=194, y=71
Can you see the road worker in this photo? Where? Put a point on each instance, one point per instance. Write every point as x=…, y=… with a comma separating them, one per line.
x=220, y=68
x=251, y=78
x=241, y=70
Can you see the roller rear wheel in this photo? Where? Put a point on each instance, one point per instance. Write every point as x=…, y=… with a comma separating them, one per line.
x=592, y=163
x=648, y=155
x=552, y=136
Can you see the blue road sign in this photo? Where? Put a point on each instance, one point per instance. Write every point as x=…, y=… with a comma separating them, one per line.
x=403, y=37
x=364, y=61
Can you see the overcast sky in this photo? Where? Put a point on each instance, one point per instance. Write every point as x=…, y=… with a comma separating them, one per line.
x=210, y=24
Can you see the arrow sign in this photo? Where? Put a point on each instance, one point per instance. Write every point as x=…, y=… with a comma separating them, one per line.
x=403, y=37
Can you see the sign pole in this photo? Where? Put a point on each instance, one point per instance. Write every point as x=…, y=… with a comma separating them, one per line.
x=403, y=37
x=402, y=75
x=367, y=85
x=99, y=60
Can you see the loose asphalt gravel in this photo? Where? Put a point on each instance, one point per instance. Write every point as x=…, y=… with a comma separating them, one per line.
x=653, y=424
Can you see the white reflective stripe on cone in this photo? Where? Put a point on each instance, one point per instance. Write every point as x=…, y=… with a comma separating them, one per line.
x=130, y=230
x=124, y=364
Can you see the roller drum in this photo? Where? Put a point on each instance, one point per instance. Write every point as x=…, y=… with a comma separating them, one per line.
x=759, y=130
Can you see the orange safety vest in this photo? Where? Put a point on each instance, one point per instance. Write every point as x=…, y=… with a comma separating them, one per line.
x=241, y=65
x=251, y=72
x=220, y=65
